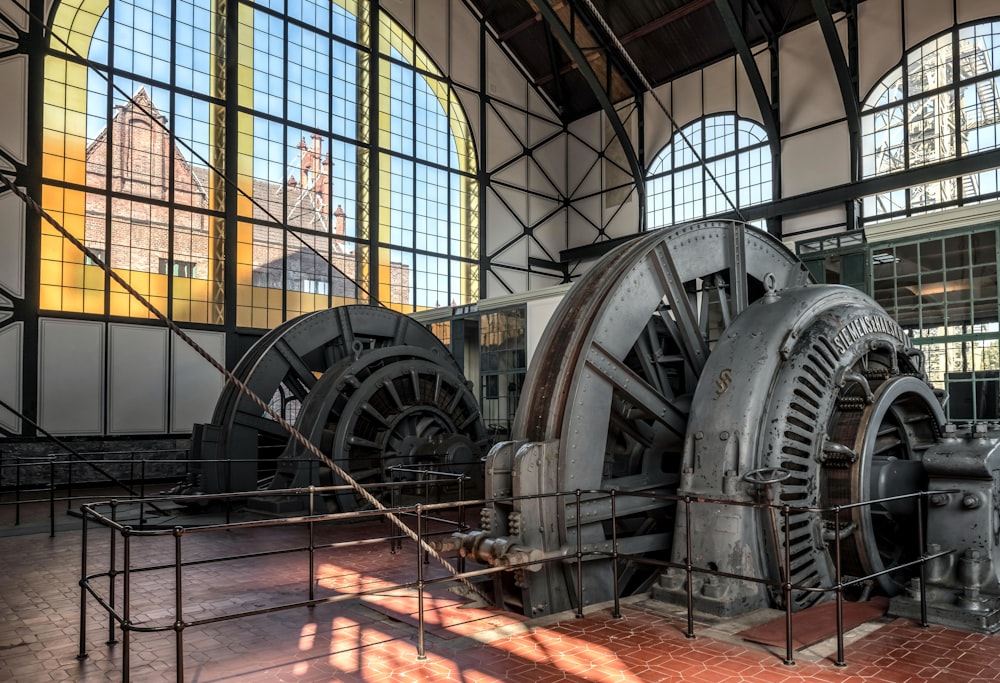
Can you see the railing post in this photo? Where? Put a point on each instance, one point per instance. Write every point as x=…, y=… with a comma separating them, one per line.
x=421, y=654
x=112, y=574
x=82, y=653
x=17, y=490
x=921, y=543
x=579, y=559
x=52, y=497
x=178, y=605
x=689, y=568
x=787, y=587
x=617, y=611
x=312, y=544
x=460, y=563
x=840, y=588
x=126, y=623
x=69, y=483
x=142, y=492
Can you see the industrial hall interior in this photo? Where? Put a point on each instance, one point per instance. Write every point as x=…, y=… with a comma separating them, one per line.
x=500, y=341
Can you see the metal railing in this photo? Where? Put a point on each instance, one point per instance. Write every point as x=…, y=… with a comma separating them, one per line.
x=52, y=479
x=120, y=616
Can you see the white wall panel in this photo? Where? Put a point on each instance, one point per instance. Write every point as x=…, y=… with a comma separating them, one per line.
x=501, y=225
x=506, y=130
x=14, y=106
x=813, y=223
x=583, y=171
x=541, y=128
x=432, y=31
x=470, y=106
x=71, y=376
x=687, y=99
x=720, y=87
x=11, y=358
x=925, y=18
x=746, y=101
x=970, y=10
x=543, y=198
x=137, y=379
x=13, y=12
x=552, y=158
x=503, y=80
x=815, y=160
x=880, y=41
x=537, y=315
x=539, y=106
x=809, y=92
x=464, y=50
x=12, y=245
x=551, y=234
x=656, y=125
x=194, y=384
x=625, y=220
x=515, y=199
x=401, y=11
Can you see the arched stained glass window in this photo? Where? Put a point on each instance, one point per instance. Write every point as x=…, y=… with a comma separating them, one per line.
x=733, y=150
x=259, y=178
x=939, y=104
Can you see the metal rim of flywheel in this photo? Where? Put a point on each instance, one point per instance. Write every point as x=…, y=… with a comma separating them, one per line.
x=618, y=362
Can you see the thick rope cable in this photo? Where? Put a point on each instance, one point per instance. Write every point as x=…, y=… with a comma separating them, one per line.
x=99, y=69
x=244, y=389
x=663, y=107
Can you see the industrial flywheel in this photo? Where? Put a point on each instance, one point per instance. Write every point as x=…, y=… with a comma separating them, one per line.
x=796, y=420
x=370, y=387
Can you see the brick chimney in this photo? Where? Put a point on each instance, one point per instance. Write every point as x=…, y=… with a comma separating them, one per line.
x=338, y=225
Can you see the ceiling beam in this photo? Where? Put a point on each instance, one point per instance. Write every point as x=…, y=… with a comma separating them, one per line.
x=845, y=79
x=768, y=117
x=558, y=25
x=665, y=20
x=520, y=28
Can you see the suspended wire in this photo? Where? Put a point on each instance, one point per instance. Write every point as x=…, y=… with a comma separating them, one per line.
x=230, y=377
x=663, y=107
x=243, y=388
x=161, y=123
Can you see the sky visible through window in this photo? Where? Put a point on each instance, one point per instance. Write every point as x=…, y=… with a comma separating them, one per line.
x=300, y=93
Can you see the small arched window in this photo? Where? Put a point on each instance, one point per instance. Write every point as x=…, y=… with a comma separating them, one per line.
x=939, y=104
x=708, y=167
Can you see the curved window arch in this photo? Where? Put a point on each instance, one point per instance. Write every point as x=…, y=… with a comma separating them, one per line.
x=260, y=181
x=734, y=150
x=940, y=103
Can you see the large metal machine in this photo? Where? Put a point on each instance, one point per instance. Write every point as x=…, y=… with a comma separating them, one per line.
x=701, y=361
x=370, y=387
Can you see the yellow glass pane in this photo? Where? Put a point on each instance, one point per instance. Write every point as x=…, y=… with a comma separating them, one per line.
x=73, y=275
x=182, y=288
x=72, y=300
x=50, y=298
x=51, y=274
x=158, y=286
x=199, y=312
x=93, y=302
x=93, y=277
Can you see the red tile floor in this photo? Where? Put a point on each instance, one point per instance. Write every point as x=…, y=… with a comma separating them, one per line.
x=374, y=638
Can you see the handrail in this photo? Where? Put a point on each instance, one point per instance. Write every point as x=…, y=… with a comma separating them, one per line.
x=120, y=615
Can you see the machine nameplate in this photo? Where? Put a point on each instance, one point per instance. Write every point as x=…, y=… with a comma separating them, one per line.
x=864, y=326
